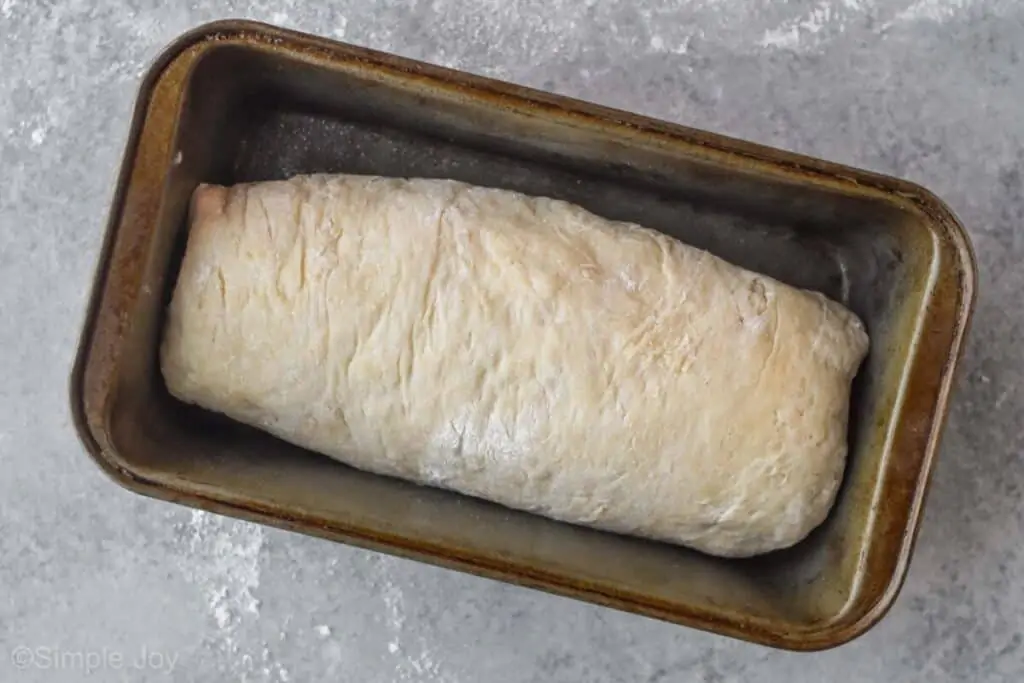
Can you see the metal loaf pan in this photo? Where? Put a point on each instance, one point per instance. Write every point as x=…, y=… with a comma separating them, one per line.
x=239, y=101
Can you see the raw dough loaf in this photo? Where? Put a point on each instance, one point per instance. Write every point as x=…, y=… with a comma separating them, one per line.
x=518, y=349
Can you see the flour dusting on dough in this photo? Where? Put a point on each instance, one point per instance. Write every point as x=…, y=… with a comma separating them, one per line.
x=493, y=438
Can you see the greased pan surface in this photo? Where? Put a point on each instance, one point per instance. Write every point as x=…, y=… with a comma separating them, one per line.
x=238, y=101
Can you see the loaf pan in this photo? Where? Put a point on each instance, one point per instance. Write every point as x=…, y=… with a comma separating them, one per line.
x=238, y=101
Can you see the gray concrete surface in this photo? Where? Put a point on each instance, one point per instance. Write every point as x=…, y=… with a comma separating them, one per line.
x=92, y=577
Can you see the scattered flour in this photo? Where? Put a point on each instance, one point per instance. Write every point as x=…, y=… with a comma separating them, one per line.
x=825, y=15
x=223, y=561
x=827, y=19
x=793, y=25
x=935, y=10
x=415, y=661
x=394, y=606
x=221, y=558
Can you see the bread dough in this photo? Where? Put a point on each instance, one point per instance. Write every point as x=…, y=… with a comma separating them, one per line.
x=518, y=349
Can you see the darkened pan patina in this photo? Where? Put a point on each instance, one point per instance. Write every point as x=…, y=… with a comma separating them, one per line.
x=238, y=101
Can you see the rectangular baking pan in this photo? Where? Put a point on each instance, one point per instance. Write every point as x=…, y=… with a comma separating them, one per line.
x=238, y=101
